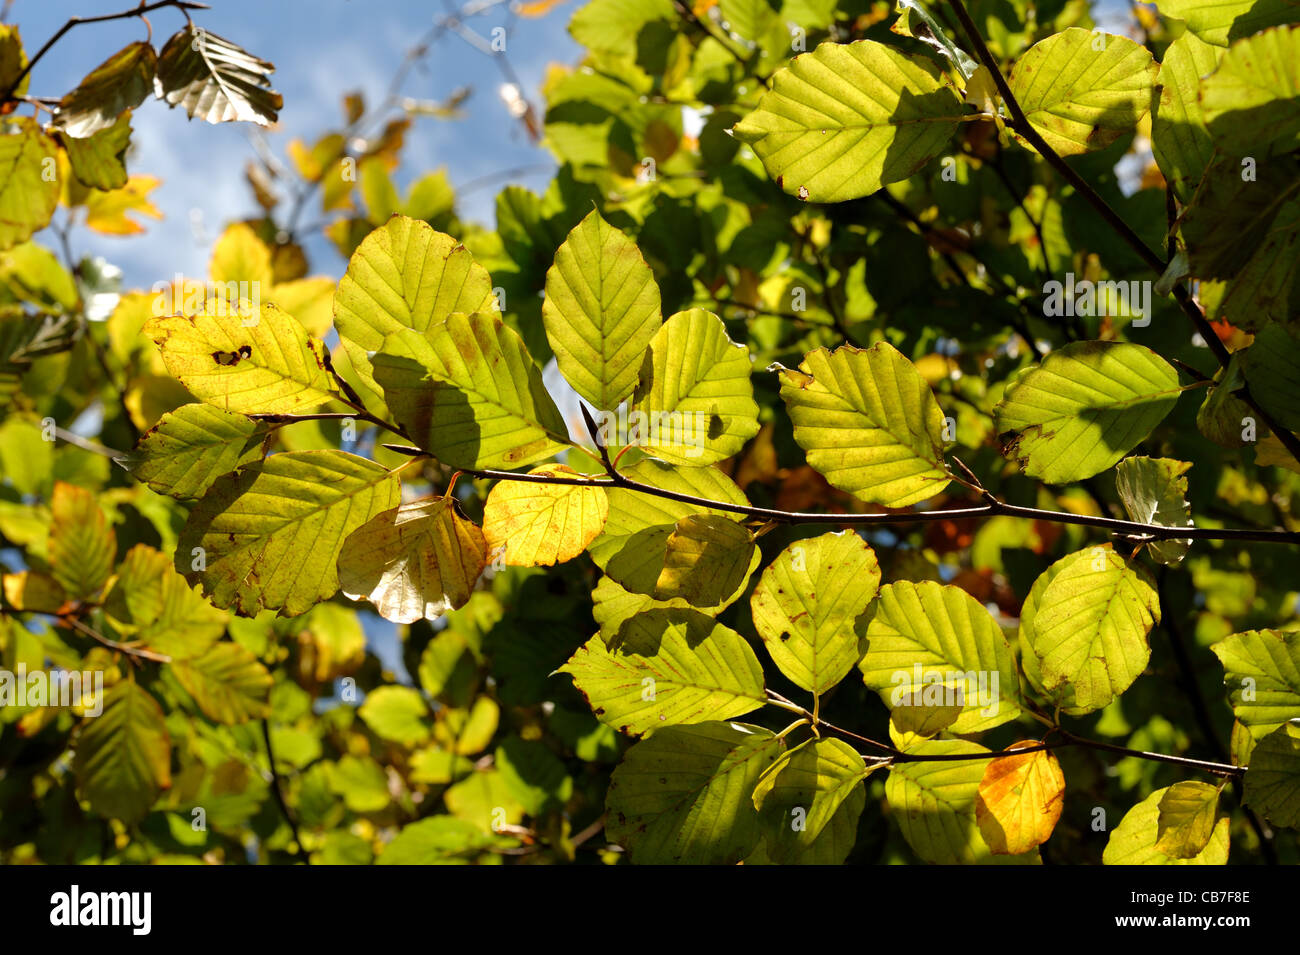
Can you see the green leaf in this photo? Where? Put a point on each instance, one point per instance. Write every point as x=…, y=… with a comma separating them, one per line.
x=1179, y=137
x=683, y=796
x=1154, y=491
x=13, y=59
x=237, y=360
x=669, y=667
x=1262, y=673
x=1250, y=102
x=614, y=605
x=1081, y=90
x=1244, y=225
x=1273, y=779
x=82, y=545
x=1188, y=812
x=1089, y=628
x=706, y=558
x=1272, y=369
x=934, y=804
x=1083, y=408
x=695, y=392
x=404, y=275
x=215, y=80
x=151, y=603
x=121, y=82
x=439, y=840
x=940, y=640
x=29, y=191
x=100, y=160
x=869, y=423
x=484, y=799
x=361, y=782
x=808, y=604
x=271, y=532
x=601, y=311
x=1220, y=21
x=397, y=714
x=633, y=548
x=191, y=447
x=416, y=561
x=229, y=684
x=534, y=775
x=840, y=122
x=471, y=394
x=123, y=756
x=1133, y=841
x=799, y=795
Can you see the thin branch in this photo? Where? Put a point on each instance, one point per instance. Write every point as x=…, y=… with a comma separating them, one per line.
x=126, y=648
x=183, y=5
x=992, y=507
x=277, y=787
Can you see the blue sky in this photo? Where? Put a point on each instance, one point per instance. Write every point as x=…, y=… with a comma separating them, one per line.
x=321, y=50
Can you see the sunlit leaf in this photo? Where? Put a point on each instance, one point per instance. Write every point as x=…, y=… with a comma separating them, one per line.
x=840, y=122
x=300, y=503
x=1188, y=812
x=1082, y=89
x=1262, y=676
x=415, y=561
x=940, y=641
x=191, y=447
x=1273, y=780
x=695, y=392
x=868, y=422
x=601, y=311
x=229, y=684
x=1083, y=408
x=237, y=359
x=121, y=82
x=215, y=80
x=669, y=667
x=541, y=524
x=807, y=606
x=470, y=393
x=1019, y=800
x=1133, y=841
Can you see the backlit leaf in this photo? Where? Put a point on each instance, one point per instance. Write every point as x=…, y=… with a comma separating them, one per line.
x=868, y=422
x=1083, y=408
x=840, y=122
x=1154, y=491
x=299, y=503
x=940, y=640
x=123, y=756
x=121, y=82
x=412, y=562
x=215, y=80
x=1133, y=841
x=541, y=524
x=1262, y=676
x=1188, y=812
x=1019, y=800
x=229, y=684
x=1273, y=780
x=191, y=447
x=601, y=311
x=807, y=606
x=668, y=667
x=1081, y=89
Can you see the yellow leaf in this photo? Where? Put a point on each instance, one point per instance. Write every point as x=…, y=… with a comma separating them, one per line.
x=1020, y=800
x=107, y=212
x=82, y=545
x=538, y=8
x=543, y=524
x=33, y=591
x=262, y=363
